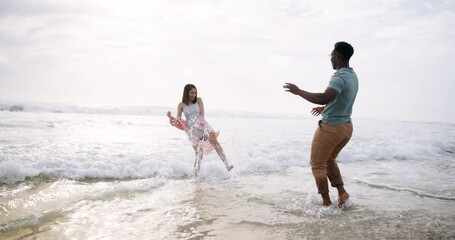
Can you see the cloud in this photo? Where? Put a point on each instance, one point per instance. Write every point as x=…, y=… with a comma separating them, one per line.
x=134, y=53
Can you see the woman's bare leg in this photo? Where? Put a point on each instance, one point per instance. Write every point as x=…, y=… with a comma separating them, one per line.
x=219, y=150
x=197, y=161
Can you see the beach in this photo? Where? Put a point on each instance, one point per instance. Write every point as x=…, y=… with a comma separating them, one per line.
x=72, y=174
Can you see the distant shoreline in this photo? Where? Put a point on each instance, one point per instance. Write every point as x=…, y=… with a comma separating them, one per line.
x=24, y=106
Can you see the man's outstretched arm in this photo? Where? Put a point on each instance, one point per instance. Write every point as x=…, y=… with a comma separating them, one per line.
x=317, y=98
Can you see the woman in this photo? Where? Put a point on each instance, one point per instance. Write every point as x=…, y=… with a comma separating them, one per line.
x=200, y=133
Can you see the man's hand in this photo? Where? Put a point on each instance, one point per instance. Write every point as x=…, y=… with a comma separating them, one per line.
x=317, y=98
x=317, y=111
x=292, y=88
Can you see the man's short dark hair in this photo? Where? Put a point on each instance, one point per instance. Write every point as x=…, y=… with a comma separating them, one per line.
x=345, y=49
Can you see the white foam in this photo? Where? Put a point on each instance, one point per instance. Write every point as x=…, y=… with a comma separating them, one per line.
x=78, y=146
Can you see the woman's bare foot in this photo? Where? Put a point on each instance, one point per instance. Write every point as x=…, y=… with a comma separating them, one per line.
x=230, y=167
x=169, y=114
x=342, y=198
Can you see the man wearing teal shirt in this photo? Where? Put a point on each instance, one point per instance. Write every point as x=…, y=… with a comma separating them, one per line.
x=335, y=128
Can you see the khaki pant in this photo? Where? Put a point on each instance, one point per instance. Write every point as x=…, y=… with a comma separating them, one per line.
x=327, y=143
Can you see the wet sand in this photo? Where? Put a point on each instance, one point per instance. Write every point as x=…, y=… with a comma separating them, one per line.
x=282, y=205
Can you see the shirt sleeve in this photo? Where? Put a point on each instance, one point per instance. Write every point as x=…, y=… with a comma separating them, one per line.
x=336, y=83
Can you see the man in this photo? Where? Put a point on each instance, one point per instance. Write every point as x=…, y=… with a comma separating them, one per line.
x=335, y=128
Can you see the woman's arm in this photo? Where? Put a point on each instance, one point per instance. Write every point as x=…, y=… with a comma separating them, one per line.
x=201, y=106
x=179, y=110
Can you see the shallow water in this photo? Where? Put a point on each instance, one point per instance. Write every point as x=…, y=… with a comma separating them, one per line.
x=104, y=176
x=275, y=206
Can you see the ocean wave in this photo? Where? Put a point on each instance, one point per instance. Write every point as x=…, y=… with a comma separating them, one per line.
x=406, y=189
x=96, y=166
x=105, y=163
x=85, y=147
x=11, y=174
x=31, y=221
x=70, y=108
x=12, y=108
x=125, y=110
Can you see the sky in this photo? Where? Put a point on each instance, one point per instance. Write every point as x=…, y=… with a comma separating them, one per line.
x=239, y=53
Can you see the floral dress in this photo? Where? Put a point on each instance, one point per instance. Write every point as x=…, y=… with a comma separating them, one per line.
x=197, y=129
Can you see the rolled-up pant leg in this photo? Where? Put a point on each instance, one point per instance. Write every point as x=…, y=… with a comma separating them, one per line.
x=327, y=144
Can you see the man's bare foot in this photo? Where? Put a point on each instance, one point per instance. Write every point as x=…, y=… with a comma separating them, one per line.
x=327, y=203
x=342, y=198
x=326, y=199
x=230, y=167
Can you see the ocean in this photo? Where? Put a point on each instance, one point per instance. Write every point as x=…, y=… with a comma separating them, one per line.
x=70, y=172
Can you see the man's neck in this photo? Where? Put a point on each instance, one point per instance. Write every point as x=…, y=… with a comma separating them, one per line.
x=343, y=65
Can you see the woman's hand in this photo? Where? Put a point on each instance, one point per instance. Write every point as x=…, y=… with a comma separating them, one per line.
x=202, y=122
x=171, y=118
x=317, y=111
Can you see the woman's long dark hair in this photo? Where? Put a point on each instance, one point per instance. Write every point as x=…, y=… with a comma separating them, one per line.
x=186, y=94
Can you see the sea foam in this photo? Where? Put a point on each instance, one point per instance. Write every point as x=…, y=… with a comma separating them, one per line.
x=99, y=145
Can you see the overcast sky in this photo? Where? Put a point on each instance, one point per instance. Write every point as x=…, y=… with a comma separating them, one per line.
x=238, y=53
